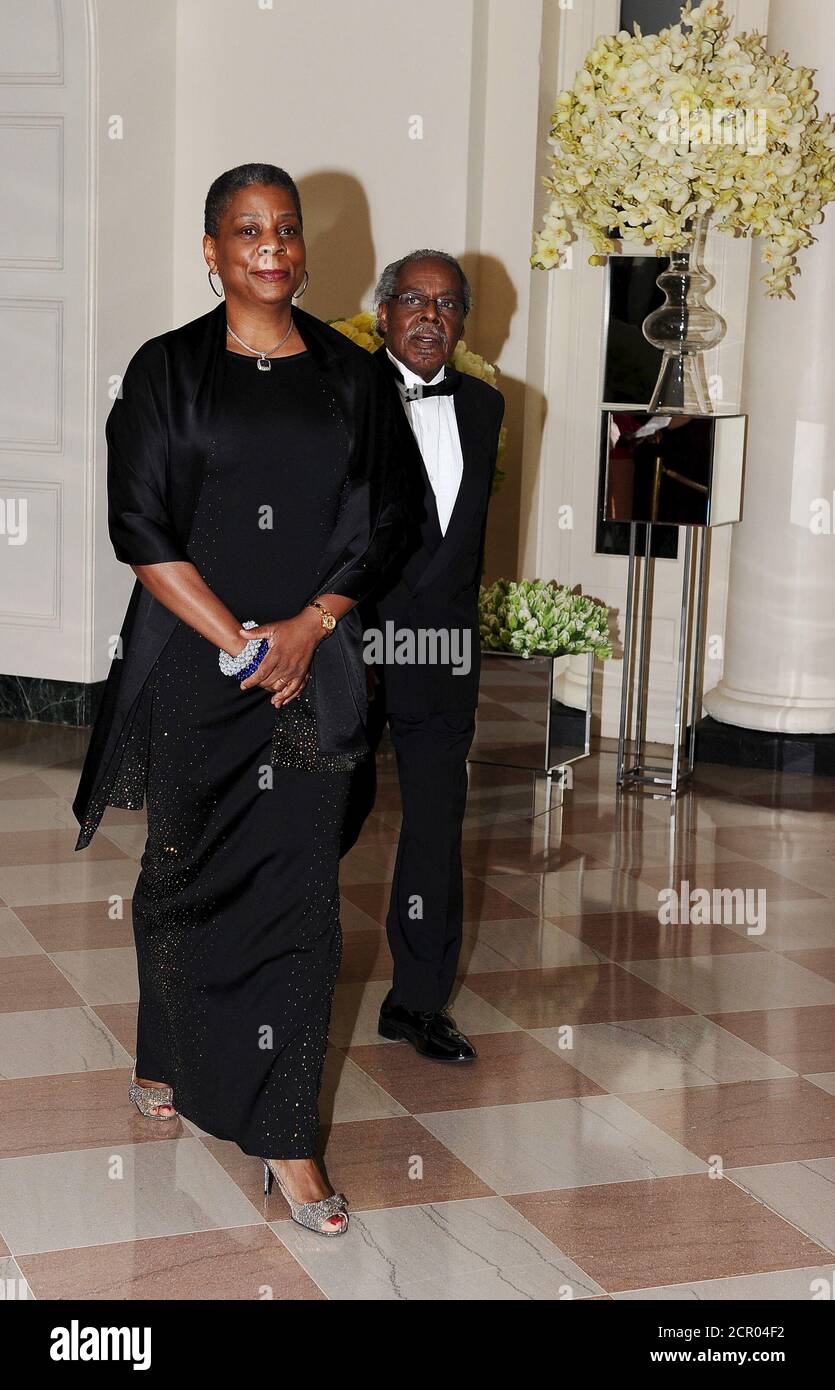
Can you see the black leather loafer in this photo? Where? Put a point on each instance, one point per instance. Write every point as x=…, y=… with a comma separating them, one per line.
x=433, y=1034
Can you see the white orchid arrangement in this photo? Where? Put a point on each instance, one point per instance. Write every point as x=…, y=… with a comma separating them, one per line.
x=361, y=329
x=641, y=145
x=536, y=618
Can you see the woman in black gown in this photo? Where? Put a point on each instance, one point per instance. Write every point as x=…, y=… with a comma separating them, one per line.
x=236, y=907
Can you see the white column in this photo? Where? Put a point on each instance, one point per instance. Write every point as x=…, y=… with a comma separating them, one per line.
x=779, y=671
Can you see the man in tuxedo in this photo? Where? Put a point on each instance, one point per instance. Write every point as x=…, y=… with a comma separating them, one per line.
x=426, y=623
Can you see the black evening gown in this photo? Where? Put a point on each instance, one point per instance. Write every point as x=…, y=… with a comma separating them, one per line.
x=236, y=907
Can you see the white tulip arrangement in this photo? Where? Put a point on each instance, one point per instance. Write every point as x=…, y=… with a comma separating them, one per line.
x=661, y=129
x=533, y=617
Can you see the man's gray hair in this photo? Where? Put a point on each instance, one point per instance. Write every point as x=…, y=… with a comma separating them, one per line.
x=388, y=280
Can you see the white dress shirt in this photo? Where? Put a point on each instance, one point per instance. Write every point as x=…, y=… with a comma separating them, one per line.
x=435, y=428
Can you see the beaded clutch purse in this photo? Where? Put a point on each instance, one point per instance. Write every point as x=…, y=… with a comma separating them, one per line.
x=295, y=742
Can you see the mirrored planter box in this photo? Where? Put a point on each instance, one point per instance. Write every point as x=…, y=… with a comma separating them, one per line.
x=534, y=713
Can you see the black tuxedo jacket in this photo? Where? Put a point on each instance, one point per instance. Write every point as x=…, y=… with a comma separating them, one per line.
x=434, y=585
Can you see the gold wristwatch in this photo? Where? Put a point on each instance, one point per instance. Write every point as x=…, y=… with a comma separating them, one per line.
x=328, y=619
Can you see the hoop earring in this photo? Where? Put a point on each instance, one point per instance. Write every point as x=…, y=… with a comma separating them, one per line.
x=297, y=294
x=219, y=293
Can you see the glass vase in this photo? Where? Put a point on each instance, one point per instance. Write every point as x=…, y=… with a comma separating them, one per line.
x=684, y=327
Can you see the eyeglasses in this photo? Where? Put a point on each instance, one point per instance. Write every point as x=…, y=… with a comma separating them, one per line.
x=444, y=304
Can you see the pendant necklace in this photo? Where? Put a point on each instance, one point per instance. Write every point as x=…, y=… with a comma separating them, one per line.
x=263, y=363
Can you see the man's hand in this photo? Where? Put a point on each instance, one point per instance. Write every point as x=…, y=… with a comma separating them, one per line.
x=285, y=668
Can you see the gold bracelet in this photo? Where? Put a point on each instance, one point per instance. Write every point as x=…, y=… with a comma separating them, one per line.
x=328, y=619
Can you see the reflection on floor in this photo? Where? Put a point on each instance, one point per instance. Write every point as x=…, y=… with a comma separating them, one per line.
x=652, y=1111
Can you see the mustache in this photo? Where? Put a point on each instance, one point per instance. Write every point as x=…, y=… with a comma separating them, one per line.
x=423, y=332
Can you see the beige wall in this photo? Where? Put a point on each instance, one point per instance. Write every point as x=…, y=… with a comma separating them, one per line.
x=133, y=271
x=504, y=168
x=329, y=90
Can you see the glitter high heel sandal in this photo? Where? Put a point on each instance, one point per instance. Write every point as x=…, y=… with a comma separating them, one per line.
x=310, y=1214
x=148, y=1099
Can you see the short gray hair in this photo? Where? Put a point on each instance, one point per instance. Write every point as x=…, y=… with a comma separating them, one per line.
x=388, y=280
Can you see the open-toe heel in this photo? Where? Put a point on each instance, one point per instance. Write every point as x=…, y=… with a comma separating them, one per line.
x=148, y=1099
x=313, y=1215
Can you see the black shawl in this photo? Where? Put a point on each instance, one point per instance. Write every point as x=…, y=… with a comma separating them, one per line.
x=159, y=432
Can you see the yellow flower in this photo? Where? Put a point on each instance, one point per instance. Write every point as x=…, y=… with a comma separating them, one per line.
x=360, y=328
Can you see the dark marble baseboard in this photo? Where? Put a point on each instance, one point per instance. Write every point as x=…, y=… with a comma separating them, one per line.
x=75, y=704
x=49, y=702
x=813, y=754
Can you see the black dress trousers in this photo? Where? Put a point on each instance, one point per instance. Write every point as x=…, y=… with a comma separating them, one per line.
x=425, y=917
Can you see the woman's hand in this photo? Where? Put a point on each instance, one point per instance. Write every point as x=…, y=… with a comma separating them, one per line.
x=285, y=668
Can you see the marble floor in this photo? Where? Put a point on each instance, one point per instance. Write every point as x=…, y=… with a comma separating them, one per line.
x=652, y=1111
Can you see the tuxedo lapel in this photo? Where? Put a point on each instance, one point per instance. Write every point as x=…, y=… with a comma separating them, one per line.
x=431, y=534
x=470, y=432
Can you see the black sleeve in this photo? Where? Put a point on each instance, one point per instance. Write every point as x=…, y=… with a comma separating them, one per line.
x=496, y=430
x=140, y=526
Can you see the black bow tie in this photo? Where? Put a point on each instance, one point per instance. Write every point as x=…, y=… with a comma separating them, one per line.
x=420, y=391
